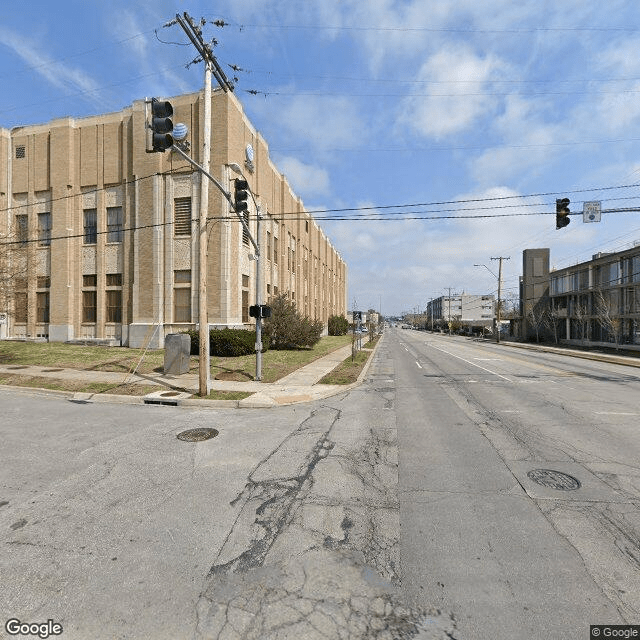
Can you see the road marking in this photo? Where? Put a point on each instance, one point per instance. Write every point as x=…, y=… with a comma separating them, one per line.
x=615, y=413
x=419, y=365
x=473, y=364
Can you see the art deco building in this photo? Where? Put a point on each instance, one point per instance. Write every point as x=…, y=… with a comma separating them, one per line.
x=99, y=239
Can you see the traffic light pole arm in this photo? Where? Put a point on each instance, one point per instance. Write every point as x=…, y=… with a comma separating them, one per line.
x=226, y=194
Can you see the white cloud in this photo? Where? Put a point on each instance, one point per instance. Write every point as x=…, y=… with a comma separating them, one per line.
x=463, y=78
x=305, y=179
x=322, y=122
x=57, y=74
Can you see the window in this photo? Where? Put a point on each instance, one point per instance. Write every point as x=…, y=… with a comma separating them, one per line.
x=21, y=307
x=275, y=250
x=114, y=305
x=90, y=226
x=245, y=298
x=182, y=296
x=245, y=306
x=114, y=280
x=43, y=282
x=182, y=305
x=182, y=216
x=89, y=306
x=114, y=224
x=44, y=229
x=42, y=306
x=22, y=228
x=90, y=280
x=268, y=246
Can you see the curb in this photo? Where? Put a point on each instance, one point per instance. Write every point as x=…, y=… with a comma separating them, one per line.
x=586, y=355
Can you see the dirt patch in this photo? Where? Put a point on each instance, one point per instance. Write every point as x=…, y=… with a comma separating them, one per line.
x=236, y=375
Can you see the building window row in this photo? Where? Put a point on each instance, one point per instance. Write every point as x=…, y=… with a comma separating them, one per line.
x=115, y=225
x=113, y=298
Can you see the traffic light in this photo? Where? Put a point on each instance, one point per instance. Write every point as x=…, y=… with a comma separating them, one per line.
x=562, y=213
x=161, y=125
x=260, y=311
x=241, y=195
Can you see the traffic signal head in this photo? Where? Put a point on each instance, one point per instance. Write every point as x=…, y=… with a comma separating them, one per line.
x=161, y=125
x=562, y=212
x=241, y=195
x=260, y=311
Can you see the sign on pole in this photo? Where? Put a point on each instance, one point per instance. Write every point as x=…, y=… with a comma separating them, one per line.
x=591, y=211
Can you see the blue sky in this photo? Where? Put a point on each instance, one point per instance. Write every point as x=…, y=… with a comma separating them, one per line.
x=461, y=108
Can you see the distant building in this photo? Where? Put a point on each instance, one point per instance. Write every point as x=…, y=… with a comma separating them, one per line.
x=597, y=302
x=469, y=310
x=107, y=234
x=534, y=293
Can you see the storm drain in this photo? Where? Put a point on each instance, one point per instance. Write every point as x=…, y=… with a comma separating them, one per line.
x=197, y=435
x=554, y=479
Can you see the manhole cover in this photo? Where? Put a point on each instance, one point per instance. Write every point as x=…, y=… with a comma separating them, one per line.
x=554, y=479
x=196, y=435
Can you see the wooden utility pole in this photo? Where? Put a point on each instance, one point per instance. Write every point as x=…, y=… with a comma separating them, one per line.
x=499, y=295
x=211, y=66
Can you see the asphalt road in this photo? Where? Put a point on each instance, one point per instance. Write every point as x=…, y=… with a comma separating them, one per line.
x=403, y=508
x=491, y=532
x=285, y=525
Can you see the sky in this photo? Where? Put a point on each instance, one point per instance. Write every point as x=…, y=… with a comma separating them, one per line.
x=427, y=136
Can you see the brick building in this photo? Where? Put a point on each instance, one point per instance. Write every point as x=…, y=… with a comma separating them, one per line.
x=104, y=236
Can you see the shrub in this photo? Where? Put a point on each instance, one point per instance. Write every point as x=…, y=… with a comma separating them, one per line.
x=288, y=329
x=227, y=342
x=338, y=326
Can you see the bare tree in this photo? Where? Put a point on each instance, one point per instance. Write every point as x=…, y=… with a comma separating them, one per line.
x=606, y=315
x=15, y=259
x=581, y=316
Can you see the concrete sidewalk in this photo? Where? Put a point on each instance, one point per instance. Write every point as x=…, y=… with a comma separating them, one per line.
x=299, y=386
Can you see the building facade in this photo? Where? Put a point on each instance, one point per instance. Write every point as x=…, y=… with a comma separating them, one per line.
x=469, y=310
x=534, y=293
x=598, y=302
x=100, y=238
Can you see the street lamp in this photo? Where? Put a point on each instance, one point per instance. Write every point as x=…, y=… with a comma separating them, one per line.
x=235, y=167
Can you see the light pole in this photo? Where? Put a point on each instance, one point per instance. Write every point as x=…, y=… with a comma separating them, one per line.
x=237, y=169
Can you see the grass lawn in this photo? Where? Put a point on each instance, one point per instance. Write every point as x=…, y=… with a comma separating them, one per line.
x=275, y=365
x=73, y=356
x=350, y=369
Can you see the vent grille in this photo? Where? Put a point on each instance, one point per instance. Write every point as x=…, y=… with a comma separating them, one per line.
x=182, y=216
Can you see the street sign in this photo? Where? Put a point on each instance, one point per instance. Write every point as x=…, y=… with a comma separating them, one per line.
x=591, y=211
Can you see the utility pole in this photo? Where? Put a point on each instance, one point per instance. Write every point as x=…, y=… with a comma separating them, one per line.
x=194, y=33
x=499, y=295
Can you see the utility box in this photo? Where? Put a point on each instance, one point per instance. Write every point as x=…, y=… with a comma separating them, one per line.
x=177, y=349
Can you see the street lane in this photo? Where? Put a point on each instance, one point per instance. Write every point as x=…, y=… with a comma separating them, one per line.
x=479, y=536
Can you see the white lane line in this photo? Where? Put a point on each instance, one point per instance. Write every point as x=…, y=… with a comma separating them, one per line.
x=473, y=364
x=419, y=365
x=615, y=413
